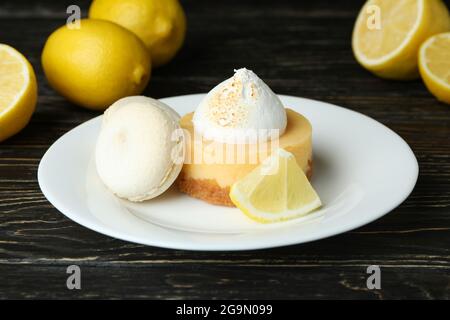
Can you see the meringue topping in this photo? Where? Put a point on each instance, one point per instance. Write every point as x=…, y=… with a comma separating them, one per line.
x=241, y=109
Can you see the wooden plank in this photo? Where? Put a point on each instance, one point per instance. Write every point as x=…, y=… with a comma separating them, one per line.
x=299, y=48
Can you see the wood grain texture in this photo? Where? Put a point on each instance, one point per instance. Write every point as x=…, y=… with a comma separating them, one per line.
x=300, y=48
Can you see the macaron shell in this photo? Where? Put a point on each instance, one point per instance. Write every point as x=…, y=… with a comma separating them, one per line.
x=135, y=148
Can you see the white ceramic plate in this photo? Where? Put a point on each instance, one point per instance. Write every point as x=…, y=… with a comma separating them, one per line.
x=362, y=170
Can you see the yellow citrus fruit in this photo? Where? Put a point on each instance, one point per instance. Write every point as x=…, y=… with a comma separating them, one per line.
x=387, y=34
x=161, y=24
x=18, y=91
x=276, y=190
x=434, y=65
x=96, y=64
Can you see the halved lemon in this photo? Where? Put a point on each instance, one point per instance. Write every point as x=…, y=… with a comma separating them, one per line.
x=387, y=34
x=18, y=91
x=434, y=65
x=276, y=190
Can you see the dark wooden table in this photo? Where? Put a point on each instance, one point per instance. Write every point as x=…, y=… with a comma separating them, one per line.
x=299, y=48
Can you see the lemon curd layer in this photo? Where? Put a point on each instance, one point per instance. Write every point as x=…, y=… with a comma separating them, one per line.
x=203, y=164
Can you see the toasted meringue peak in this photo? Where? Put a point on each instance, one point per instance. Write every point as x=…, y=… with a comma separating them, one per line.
x=240, y=109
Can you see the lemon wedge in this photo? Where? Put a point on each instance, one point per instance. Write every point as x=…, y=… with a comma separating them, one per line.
x=18, y=91
x=434, y=65
x=387, y=34
x=276, y=190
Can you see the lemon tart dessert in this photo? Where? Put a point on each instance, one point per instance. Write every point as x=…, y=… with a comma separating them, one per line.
x=239, y=124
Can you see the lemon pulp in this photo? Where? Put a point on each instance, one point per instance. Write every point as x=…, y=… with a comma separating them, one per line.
x=276, y=190
x=18, y=91
x=434, y=64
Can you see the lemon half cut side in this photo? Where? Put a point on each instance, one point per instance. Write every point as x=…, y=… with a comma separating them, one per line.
x=387, y=34
x=434, y=65
x=18, y=91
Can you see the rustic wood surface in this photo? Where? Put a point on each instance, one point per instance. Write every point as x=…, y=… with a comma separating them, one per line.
x=300, y=48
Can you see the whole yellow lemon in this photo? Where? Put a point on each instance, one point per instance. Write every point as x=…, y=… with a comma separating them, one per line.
x=96, y=64
x=161, y=24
